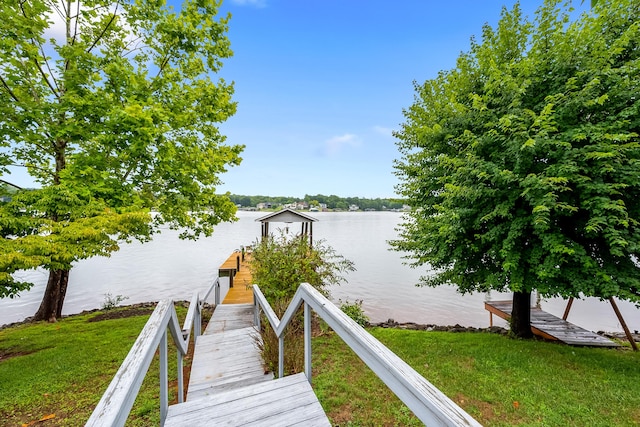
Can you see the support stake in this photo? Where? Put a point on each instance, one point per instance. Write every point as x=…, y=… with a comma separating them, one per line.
x=566, y=310
x=624, y=324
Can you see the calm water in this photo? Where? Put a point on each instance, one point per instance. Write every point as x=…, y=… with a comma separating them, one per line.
x=170, y=268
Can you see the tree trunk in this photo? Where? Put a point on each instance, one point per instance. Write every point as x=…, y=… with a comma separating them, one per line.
x=53, y=299
x=64, y=281
x=521, y=315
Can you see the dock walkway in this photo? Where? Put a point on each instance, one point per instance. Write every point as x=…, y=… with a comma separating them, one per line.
x=236, y=267
x=550, y=327
x=228, y=383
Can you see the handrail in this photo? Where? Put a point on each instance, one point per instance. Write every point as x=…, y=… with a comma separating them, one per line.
x=426, y=401
x=116, y=402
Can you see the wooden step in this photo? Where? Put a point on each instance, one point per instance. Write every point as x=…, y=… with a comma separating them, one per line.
x=286, y=401
x=225, y=360
x=226, y=356
x=230, y=316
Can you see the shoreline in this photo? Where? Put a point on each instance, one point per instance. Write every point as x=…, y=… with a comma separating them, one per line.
x=392, y=324
x=388, y=324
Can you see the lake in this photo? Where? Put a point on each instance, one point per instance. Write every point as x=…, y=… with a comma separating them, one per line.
x=169, y=267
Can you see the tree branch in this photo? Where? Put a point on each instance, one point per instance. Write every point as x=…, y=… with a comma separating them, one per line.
x=9, y=183
x=75, y=29
x=47, y=171
x=161, y=69
x=35, y=60
x=128, y=172
x=49, y=68
x=6, y=86
x=104, y=30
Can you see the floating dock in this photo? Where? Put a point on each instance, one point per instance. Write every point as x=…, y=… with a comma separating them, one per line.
x=550, y=327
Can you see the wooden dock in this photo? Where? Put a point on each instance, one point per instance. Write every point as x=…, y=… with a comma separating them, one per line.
x=550, y=327
x=228, y=384
x=236, y=267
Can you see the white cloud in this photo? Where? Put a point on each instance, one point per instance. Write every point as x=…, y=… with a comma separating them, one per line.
x=254, y=3
x=383, y=130
x=334, y=145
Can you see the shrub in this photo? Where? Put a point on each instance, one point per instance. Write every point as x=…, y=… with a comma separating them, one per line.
x=354, y=310
x=279, y=265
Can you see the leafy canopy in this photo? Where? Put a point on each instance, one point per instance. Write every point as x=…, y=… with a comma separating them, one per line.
x=112, y=108
x=522, y=163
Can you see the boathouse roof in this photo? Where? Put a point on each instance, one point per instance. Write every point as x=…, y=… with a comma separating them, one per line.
x=286, y=215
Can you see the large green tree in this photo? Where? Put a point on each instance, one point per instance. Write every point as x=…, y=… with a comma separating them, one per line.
x=112, y=108
x=522, y=163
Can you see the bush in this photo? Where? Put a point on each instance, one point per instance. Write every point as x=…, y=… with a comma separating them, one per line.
x=279, y=265
x=111, y=302
x=354, y=310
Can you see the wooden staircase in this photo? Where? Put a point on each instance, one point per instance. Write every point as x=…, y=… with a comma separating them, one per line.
x=228, y=384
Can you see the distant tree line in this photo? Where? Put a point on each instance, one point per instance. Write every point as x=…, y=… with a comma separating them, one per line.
x=332, y=201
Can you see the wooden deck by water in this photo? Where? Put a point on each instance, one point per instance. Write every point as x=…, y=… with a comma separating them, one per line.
x=236, y=267
x=551, y=327
x=228, y=384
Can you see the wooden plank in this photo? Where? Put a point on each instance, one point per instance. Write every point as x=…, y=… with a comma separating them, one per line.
x=226, y=356
x=240, y=279
x=233, y=316
x=230, y=356
x=286, y=401
x=550, y=327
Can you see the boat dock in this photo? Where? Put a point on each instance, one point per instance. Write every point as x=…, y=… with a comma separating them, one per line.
x=236, y=268
x=550, y=327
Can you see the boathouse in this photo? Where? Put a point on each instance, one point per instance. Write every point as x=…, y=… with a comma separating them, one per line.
x=288, y=216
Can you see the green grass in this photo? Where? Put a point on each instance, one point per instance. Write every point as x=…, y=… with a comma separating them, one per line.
x=498, y=380
x=62, y=369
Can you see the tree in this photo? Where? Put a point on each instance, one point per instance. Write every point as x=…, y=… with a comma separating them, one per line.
x=521, y=165
x=111, y=108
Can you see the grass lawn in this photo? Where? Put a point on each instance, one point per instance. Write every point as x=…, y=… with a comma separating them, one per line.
x=59, y=371
x=498, y=380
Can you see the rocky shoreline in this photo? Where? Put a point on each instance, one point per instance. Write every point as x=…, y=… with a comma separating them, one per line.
x=390, y=323
x=144, y=307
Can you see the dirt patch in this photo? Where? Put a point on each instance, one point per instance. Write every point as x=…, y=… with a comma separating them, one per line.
x=121, y=313
x=484, y=409
x=8, y=354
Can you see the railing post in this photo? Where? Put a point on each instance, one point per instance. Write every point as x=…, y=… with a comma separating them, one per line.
x=307, y=341
x=180, y=378
x=164, y=380
x=197, y=325
x=256, y=314
x=217, y=293
x=281, y=356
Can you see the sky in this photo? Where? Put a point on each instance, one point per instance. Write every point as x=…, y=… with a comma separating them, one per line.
x=322, y=84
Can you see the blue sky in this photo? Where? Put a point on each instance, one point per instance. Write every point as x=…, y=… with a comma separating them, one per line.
x=321, y=85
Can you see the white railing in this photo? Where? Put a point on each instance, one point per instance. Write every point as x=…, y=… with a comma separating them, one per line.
x=115, y=404
x=426, y=401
